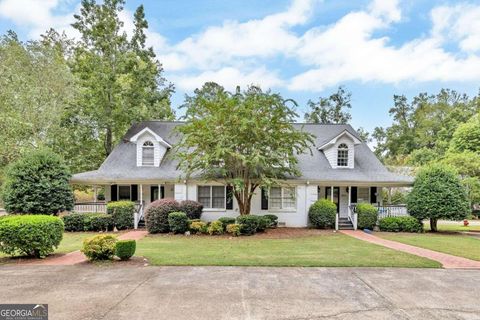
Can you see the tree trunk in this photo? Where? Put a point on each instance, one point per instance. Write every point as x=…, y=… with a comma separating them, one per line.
x=244, y=199
x=433, y=224
x=108, y=141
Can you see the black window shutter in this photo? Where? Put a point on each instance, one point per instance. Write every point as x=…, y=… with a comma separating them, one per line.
x=229, y=203
x=327, y=192
x=354, y=197
x=264, y=199
x=162, y=192
x=113, y=192
x=373, y=194
x=134, y=195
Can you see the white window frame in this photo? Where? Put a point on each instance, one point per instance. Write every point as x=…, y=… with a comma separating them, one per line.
x=210, y=208
x=343, y=147
x=152, y=147
x=118, y=191
x=282, y=207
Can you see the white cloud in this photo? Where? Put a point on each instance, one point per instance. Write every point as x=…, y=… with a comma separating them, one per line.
x=353, y=48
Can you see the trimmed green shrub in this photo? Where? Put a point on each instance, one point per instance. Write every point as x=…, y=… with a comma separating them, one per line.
x=226, y=221
x=101, y=247
x=400, y=224
x=272, y=220
x=156, y=215
x=233, y=229
x=178, y=222
x=248, y=224
x=367, y=216
x=437, y=193
x=32, y=235
x=38, y=183
x=74, y=222
x=215, y=227
x=192, y=209
x=123, y=213
x=88, y=222
x=262, y=223
x=125, y=249
x=322, y=214
x=198, y=226
x=98, y=222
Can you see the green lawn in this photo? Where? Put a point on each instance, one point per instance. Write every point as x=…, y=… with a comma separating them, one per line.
x=330, y=250
x=71, y=241
x=454, y=244
x=458, y=226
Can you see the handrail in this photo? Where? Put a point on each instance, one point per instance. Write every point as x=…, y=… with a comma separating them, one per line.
x=389, y=210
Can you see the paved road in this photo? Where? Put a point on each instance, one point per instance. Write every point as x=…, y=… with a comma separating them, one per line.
x=131, y=292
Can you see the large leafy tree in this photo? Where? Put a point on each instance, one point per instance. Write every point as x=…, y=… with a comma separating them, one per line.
x=120, y=79
x=36, y=89
x=428, y=121
x=438, y=193
x=467, y=136
x=331, y=109
x=244, y=139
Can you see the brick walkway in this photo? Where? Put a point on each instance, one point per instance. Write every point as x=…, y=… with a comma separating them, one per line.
x=78, y=257
x=448, y=261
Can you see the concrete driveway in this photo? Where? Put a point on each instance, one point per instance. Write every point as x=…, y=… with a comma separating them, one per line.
x=131, y=292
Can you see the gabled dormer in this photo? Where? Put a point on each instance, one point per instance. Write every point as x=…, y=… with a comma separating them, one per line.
x=151, y=148
x=340, y=151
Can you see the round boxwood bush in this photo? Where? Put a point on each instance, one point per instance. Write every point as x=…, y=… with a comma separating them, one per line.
x=122, y=213
x=400, y=224
x=215, y=227
x=262, y=223
x=367, y=216
x=38, y=183
x=322, y=214
x=31, y=235
x=272, y=220
x=74, y=222
x=248, y=224
x=156, y=215
x=101, y=247
x=193, y=209
x=178, y=222
x=125, y=249
x=226, y=221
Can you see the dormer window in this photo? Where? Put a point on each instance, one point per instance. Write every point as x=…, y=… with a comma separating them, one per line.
x=148, y=154
x=342, y=155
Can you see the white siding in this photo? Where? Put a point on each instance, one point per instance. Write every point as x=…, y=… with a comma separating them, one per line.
x=158, y=152
x=331, y=152
x=180, y=191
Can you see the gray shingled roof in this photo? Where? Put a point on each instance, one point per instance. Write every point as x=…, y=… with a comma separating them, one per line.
x=120, y=166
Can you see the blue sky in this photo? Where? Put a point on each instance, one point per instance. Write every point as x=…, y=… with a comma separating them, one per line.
x=301, y=48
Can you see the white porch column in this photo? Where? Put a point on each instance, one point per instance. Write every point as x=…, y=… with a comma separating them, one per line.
x=141, y=193
x=95, y=195
x=159, y=192
x=331, y=193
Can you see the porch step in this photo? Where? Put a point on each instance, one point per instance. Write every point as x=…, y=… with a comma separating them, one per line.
x=141, y=223
x=345, y=224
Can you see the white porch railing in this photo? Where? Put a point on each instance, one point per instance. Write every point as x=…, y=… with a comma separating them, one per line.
x=138, y=215
x=353, y=217
x=87, y=207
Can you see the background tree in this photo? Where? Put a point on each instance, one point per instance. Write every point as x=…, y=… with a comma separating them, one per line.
x=437, y=193
x=244, y=139
x=333, y=109
x=36, y=89
x=467, y=136
x=120, y=80
x=37, y=183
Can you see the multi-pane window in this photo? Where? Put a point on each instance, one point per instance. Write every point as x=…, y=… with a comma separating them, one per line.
x=124, y=193
x=212, y=197
x=282, y=198
x=363, y=195
x=342, y=155
x=148, y=154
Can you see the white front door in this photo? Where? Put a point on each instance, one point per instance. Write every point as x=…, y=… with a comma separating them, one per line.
x=343, y=202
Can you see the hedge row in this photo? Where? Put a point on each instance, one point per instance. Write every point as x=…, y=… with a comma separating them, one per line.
x=88, y=222
x=245, y=225
x=401, y=224
x=157, y=213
